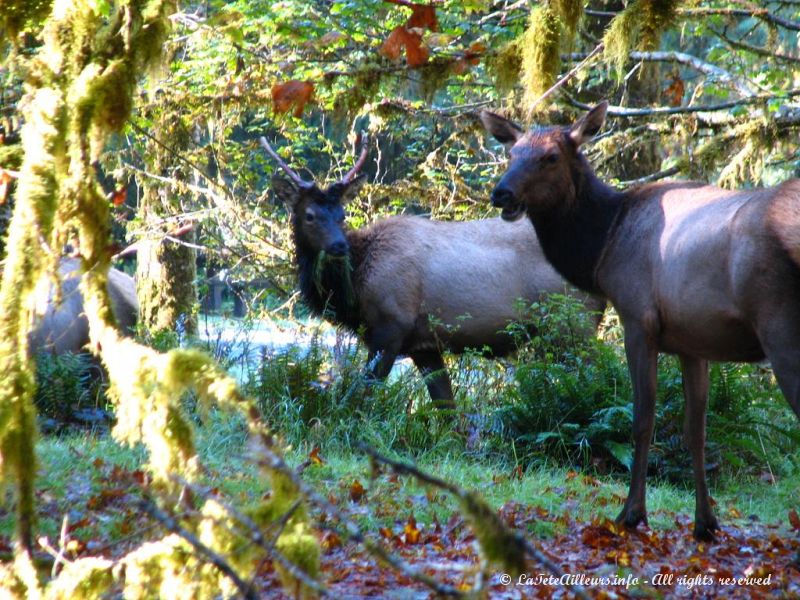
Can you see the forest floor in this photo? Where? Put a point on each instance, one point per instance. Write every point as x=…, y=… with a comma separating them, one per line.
x=89, y=483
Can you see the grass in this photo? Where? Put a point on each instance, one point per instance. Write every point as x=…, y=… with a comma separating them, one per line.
x=71, y=475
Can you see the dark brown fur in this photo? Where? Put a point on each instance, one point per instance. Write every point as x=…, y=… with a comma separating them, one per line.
x=692, y=269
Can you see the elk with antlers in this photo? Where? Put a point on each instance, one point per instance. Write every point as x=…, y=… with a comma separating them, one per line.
x=410, y=285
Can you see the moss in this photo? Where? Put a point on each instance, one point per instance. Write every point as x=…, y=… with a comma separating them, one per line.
x=498, y=544
x=639, y=26
x=541, y=58
x=505, y=66
x=11, y=156
x=570, y=13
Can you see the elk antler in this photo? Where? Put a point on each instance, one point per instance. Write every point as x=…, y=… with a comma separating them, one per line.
x=352, y=173
x=292, y=175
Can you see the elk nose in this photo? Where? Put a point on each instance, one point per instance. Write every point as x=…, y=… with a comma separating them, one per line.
x=501, y=197
x=338, y=248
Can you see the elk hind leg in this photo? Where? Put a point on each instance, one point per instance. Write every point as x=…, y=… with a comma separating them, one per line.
x=695, y=390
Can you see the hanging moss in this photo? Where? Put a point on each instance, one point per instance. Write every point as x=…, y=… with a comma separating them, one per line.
x=570, y=13
x=505, y=66
x=80, y=87
x=638, y=27
x=541, y=58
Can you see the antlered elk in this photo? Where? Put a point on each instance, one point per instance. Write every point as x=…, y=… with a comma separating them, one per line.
x=693, y=270
x=64, y=328
x=413, y=286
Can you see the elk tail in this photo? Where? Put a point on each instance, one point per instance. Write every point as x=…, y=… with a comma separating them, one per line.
x=783, y=217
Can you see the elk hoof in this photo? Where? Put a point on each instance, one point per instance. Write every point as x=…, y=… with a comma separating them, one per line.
x=704, y=529
x=631, y=517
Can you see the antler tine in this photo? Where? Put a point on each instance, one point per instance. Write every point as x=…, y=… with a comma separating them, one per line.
x=352, y=173
x=292, y=175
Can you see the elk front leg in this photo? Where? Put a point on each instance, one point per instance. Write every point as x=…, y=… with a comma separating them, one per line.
x=431, y=367
x=695, y=390
x=642, y=360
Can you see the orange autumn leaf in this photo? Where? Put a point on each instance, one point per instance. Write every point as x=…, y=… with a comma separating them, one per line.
x=356, y=491
x=401, y=38
x=411, y=532
x=315, y=458
x=423, y=16
x=291, y=94
x=674, y=92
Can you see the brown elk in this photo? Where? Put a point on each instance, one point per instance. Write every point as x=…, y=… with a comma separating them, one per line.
x=693, y=270
x=64, y=328
x=410, y=285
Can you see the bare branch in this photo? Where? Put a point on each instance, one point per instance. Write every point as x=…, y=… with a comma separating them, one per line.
x=274, y=461
x=621, y=111
x=172, y=525
x=406, y=469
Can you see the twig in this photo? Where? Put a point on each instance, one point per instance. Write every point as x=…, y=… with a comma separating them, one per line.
x=652, y=177
x=568, y=76
x=274, y=461
x=741, y=45
x=402, y=468
x=215, y=559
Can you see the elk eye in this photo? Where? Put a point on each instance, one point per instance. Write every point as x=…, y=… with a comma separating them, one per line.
x=309, y=216
x=549, y=159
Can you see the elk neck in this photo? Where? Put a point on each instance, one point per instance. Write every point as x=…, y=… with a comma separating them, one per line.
x=328, y=287
x=574, y=238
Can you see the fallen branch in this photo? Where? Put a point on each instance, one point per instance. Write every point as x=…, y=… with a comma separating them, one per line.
x=172, y=525
x=274, y=461
x=470, y=499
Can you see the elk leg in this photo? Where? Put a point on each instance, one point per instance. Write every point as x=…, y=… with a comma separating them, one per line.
x=642, y=359
x=383, y=347
x=431, y=366
x=695, y=390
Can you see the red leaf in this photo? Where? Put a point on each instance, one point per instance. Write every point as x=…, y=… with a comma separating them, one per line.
x=794, y=519
x=291, y=94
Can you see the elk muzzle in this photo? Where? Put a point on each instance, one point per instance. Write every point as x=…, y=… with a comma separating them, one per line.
x=505, y=199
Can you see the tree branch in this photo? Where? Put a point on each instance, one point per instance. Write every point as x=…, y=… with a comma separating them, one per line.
x=172, y=525
x=274, y=461
x=621, y=111
x=406, y=469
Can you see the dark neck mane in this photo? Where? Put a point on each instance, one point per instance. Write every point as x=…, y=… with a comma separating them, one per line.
x=327, y=295
x=573, y=239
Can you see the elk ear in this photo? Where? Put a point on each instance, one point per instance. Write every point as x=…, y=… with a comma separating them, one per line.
x=348, y=191
x=504, y=131
x=589, y=125
x=285, y=190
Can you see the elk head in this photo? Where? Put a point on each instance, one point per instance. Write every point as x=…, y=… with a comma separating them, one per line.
x=544, y=163
x=317, y=214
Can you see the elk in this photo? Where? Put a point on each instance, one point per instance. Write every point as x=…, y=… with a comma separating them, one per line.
x=693, y=270
x=64, y=328
x=409, y=285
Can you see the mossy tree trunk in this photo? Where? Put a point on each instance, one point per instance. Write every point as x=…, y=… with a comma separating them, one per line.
x=166, y=269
